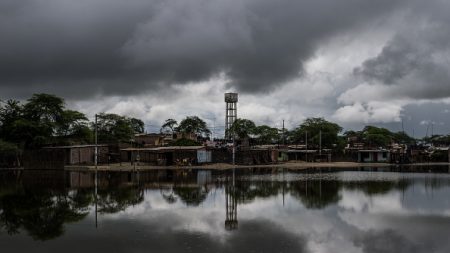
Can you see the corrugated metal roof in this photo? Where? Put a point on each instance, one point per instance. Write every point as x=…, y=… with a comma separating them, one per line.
x=79, y=146
x=165, y=148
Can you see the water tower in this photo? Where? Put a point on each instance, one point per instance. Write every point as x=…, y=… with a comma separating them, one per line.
x=231, y=100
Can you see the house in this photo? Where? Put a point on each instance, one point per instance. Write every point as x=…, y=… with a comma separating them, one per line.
x=373, y=155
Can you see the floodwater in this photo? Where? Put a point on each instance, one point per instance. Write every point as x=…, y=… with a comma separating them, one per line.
x=255, y=210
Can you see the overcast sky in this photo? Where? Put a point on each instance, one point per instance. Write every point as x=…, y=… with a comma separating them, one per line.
x=354, y=62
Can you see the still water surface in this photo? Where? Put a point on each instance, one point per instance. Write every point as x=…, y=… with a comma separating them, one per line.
x=211, y=211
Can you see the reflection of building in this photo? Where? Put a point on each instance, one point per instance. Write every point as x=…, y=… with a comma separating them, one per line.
x=231, y=221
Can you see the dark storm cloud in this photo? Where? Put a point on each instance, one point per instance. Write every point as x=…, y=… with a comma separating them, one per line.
x=76, y=48
x=417, y=58
x=396, y=60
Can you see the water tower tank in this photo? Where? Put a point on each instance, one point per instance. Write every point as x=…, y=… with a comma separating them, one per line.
x=231, y=97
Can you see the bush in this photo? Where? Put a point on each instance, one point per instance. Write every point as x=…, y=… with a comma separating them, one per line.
x=9, y=154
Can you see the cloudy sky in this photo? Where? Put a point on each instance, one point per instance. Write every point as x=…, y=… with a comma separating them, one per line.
x=355, y=62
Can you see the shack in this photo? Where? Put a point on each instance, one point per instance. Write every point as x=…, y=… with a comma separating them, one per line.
x=166, y=156
x=376, y=155
x=82, y=154
x=301, y=154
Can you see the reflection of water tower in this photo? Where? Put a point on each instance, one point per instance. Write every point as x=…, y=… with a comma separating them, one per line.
x=231, y=100
x=231, y=221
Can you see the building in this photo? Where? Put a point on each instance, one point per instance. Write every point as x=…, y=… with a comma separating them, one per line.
x=166, y=156
x=375, y=155
x=82, y=154
x=153, y=139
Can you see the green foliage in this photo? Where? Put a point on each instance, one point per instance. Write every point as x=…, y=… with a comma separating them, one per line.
x=42, y=120
x=267, y=135
x=313, y=127
x=74, y=128
x=373, y=136
x=185, y=142
x=137, y=125
x=44, y=108
x=193, y=124
x=403, y=138
x=8, y=148
x=10, y=113
x=169, y=125
x=115, y=128
x=376, y=136
x=243, y=128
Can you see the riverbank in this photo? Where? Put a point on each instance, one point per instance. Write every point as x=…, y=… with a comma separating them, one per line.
x=226, y=166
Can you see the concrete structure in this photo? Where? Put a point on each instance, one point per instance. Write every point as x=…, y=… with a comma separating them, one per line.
x=376, y=155
x=231, y=100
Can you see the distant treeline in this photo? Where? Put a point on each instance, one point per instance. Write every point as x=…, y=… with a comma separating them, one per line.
x=44, y=120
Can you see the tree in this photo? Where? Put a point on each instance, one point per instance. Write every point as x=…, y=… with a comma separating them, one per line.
x=403, y=138
x=137, y=125
x=193, y=125
x=266, y=134
x=10, y=113
x=9, y=154
x=73, y=127
x=114, y=128
x=34, y=124
x=243, y=128
x=169, y=124
x=45, y=109
x=315, y=126
x=376, y=136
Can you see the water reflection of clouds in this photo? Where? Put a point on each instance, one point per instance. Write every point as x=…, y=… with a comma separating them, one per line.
x=385, y=221
x=409, y=221
x=390, y=218
x=417, y=200
x=208, y=218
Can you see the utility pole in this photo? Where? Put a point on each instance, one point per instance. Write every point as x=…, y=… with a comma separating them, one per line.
x=234, y=151
x=320, y=143
x=306, y=146
x=96, y=144
x=96, y=176
x=283, y=134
